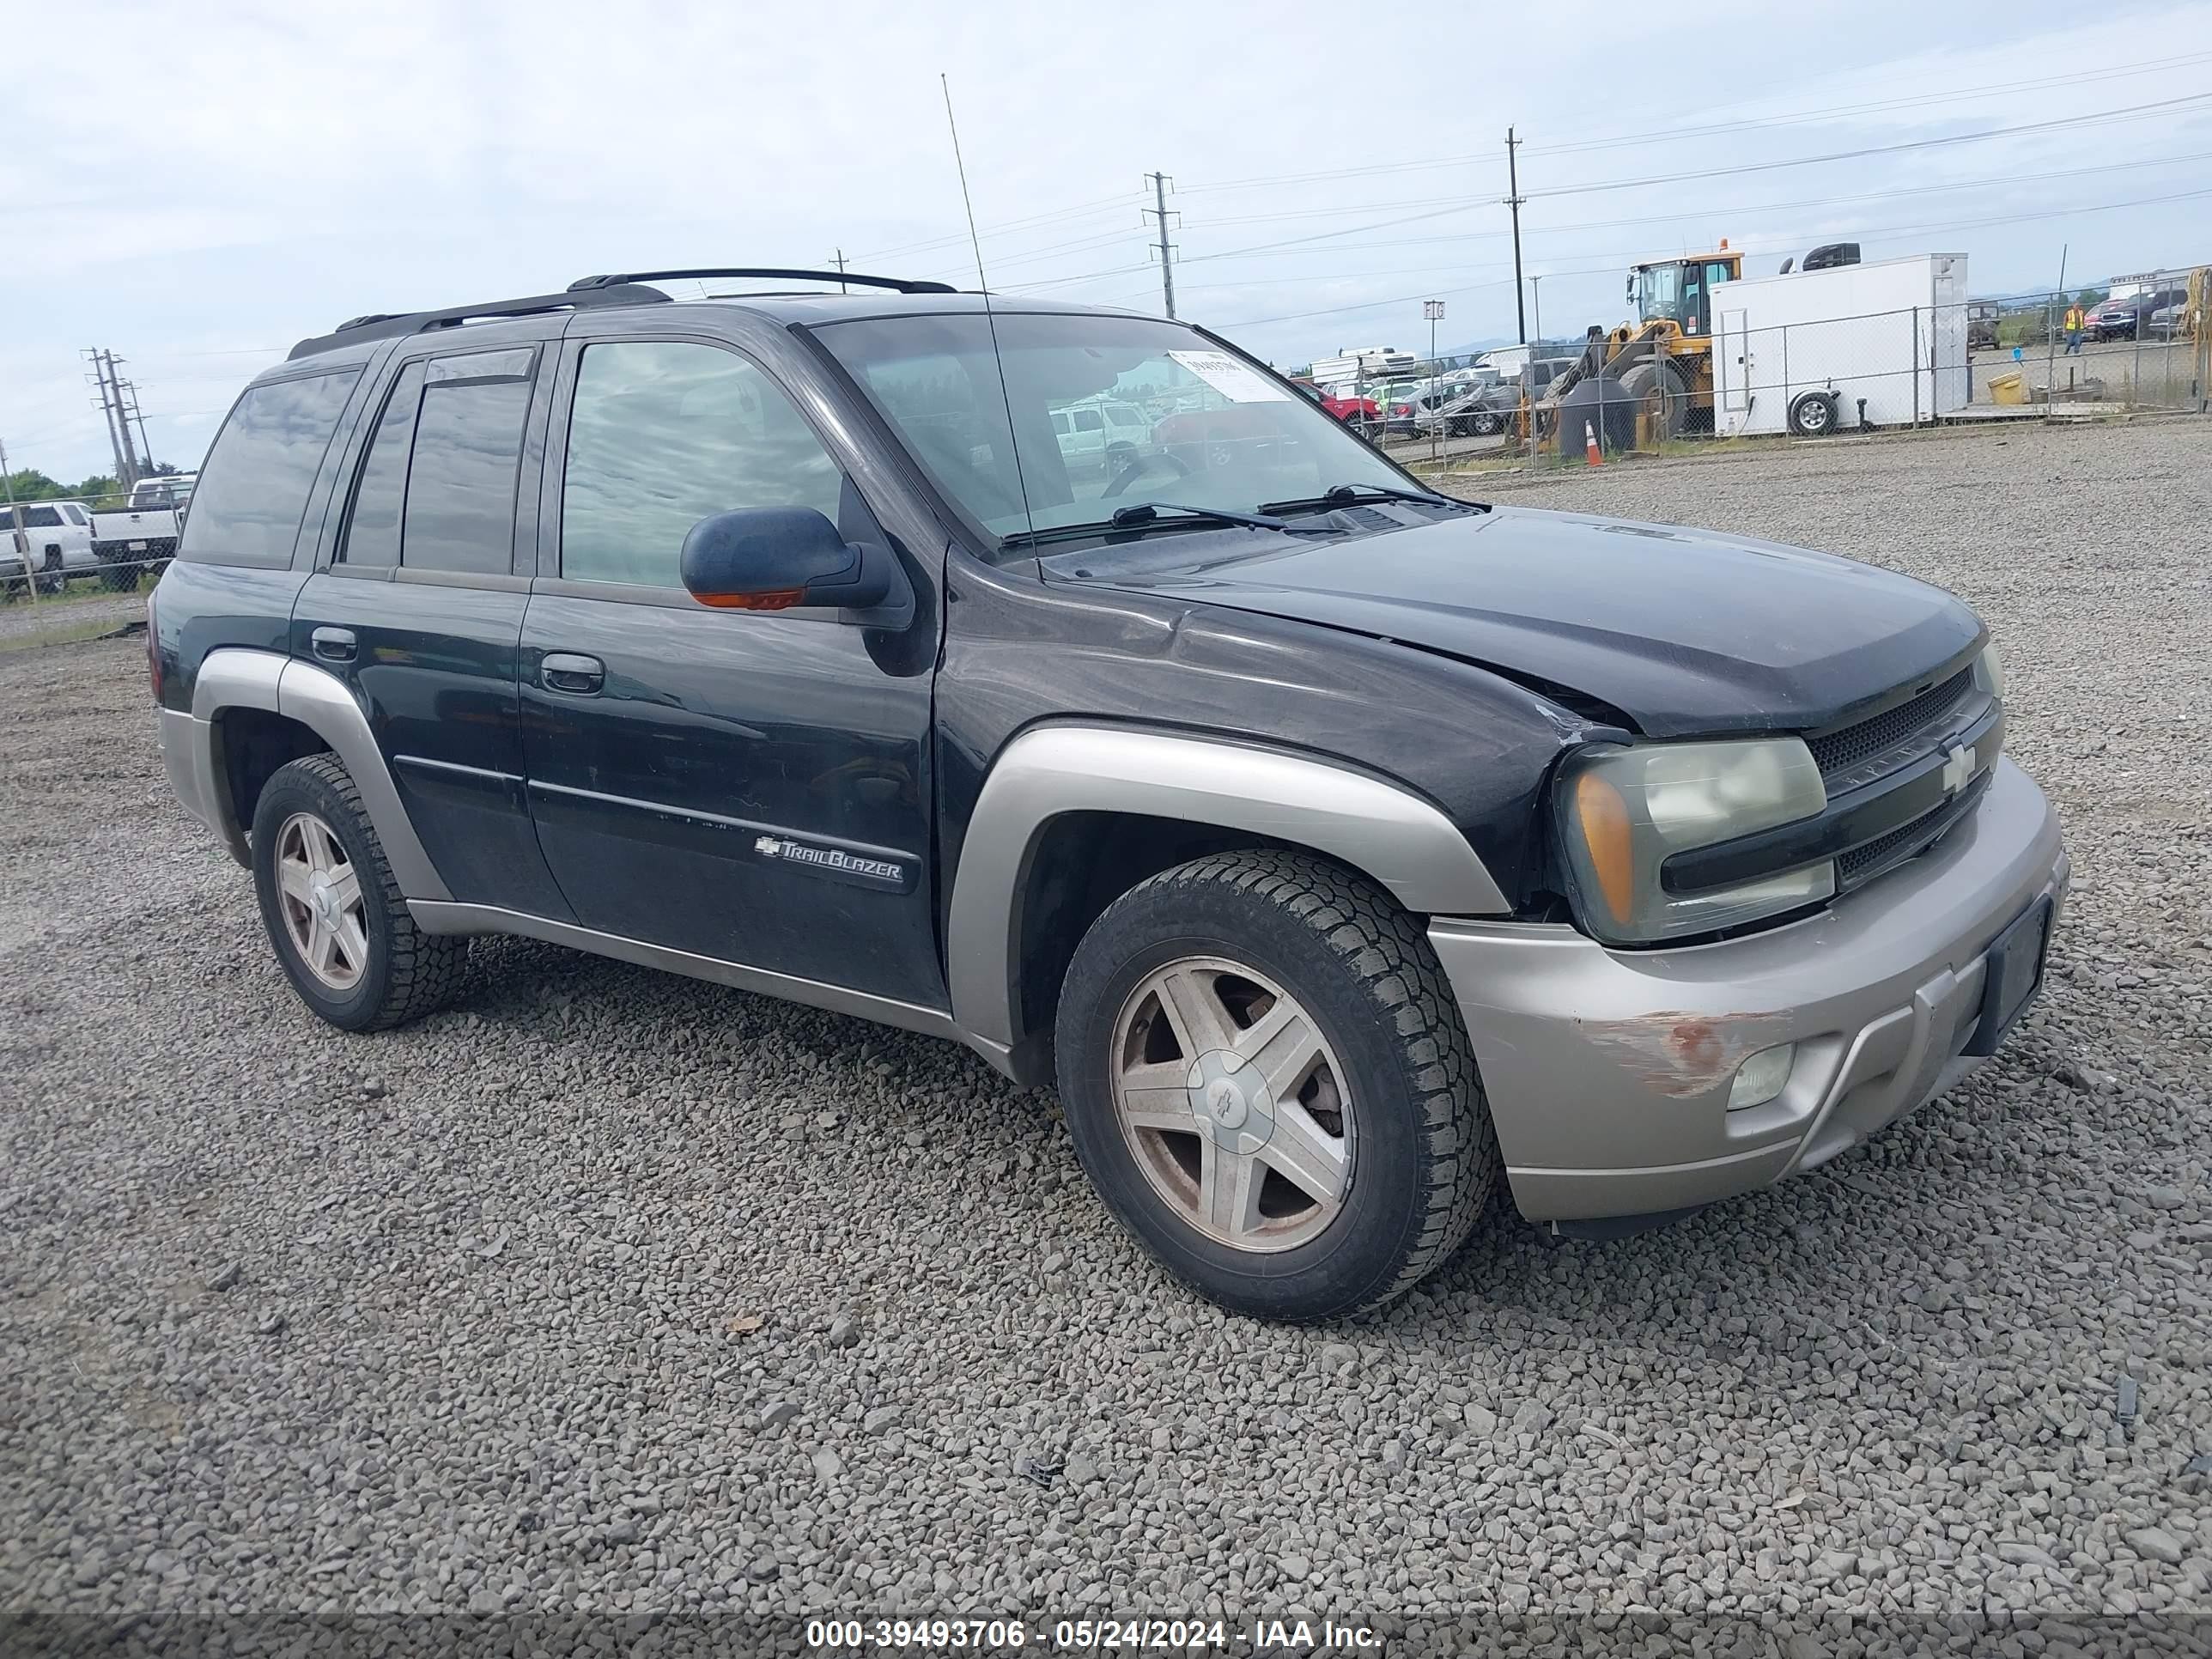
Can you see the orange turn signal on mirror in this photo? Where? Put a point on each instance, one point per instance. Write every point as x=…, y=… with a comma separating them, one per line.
x=782, y=598
x=1602, y=814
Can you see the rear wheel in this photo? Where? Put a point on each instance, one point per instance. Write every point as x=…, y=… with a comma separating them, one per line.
x=1267, y=1080
x=334, y=913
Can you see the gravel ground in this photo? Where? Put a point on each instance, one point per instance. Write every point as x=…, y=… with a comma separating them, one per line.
x=25, y=619
x=613, y=1294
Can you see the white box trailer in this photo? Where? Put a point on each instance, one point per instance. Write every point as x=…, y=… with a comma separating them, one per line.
x=1888, y=338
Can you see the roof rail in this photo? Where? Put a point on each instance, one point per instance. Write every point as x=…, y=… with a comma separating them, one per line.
x=378, y=325
x=904, y=285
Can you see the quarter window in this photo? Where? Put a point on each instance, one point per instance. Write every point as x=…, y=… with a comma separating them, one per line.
x=665, y=432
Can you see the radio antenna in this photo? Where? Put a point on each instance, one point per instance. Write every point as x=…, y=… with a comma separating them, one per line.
x=983, y=286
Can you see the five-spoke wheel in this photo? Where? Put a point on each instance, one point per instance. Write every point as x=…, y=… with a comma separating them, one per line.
x=320, y=895
x=1238, y=1111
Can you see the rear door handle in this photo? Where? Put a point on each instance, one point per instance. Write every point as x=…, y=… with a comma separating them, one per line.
x=334, y=644
x=573, y=673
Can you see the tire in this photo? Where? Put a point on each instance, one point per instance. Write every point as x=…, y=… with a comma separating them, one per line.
x=1488, y=425
x=1390, y=1117
x=1662, y=381
x=402, y=973
x=1813, y=414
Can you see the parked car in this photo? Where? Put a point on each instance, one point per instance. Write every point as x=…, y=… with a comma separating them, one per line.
x=1982, y=325
x=141, y=534
x=1482, y=412
x=1102, y=437
x=2170, y=320
x=2119, y=319
x=1349, y=856
x=1344, y=405
x=50, y=540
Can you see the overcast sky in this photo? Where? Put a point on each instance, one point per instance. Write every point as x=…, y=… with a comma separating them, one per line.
x=198, y=196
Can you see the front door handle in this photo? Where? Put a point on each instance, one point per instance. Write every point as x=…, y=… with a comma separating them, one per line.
x=572, y=671
x=334, y=644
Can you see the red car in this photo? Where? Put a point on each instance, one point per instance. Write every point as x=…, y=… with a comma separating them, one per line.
x=1362, y=415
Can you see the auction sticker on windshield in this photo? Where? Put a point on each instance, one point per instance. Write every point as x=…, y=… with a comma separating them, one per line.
x=1232, y=379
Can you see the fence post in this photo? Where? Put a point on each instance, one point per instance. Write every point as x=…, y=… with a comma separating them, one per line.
x=20, y=532
x=1913, y=357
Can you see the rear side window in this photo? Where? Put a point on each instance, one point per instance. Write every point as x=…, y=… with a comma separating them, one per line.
x=436, y=490
x=44, y=517
x=468, y=449
x=257, y=478
x=372, y=531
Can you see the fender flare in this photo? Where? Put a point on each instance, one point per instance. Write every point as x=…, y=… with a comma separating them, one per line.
x=1400, y=840
x=236, y=677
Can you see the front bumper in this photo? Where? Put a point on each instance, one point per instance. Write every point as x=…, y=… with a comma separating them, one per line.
x=1607, y=1072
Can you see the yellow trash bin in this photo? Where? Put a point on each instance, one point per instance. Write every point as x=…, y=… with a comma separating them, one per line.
x=2010, y=388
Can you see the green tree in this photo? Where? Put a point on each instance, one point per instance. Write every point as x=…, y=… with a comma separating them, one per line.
x=98, y=484
x=32, y=485
x=2091, y=296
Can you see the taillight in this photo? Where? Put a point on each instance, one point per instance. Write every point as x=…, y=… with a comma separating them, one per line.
x=153, y=651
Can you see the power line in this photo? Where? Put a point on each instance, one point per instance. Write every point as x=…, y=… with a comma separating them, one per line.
x=2127, y=112
x=1617, y=139
x=2147, y=66
x=1611, y=264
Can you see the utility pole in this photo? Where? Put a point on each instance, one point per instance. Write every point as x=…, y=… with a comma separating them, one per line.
x=1513, y=201
x=1159, y=209
x=117, y=411
x=839, y=257
x=99, y=377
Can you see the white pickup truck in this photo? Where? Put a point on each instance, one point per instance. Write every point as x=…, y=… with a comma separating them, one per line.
x=141, y=535
x=52, y=540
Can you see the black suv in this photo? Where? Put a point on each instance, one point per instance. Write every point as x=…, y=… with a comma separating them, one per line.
x=1338, y=848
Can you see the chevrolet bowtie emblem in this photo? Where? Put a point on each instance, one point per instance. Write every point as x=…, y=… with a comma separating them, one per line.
x=1958, y=769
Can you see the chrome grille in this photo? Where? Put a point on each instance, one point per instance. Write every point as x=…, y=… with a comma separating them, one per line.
x=1852, y=745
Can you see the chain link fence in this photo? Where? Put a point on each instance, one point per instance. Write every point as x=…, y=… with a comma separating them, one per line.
x=1768, y=364
x=77, y=569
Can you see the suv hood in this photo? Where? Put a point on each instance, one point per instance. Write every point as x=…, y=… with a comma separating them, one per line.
x=1688, y=632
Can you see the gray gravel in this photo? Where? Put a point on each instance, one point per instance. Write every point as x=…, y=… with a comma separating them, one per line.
x=612, y=1293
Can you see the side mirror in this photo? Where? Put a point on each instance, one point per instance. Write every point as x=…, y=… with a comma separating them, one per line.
x=774, y=558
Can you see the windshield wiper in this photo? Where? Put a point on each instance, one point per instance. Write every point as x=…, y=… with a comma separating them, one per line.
x=1346, y=494
x=1139, y=515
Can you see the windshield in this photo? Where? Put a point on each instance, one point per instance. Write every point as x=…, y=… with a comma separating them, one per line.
x=1183, y=420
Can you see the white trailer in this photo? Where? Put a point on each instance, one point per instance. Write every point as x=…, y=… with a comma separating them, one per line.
x=1817, y=351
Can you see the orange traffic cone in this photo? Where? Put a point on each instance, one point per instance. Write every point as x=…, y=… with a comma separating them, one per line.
x=1589, y=446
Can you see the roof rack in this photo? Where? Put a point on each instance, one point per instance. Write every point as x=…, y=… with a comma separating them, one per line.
x=904, y=285
x=377, y=325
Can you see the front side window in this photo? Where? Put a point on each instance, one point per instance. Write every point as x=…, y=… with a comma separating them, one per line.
x=255, y=484
x=1210, y=430
x=664, y=433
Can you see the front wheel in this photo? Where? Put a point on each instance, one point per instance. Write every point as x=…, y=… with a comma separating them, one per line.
x=1266, y=1078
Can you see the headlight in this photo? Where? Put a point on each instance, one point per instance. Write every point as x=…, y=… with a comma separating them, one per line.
x=1989, y=671
x=1625, y=810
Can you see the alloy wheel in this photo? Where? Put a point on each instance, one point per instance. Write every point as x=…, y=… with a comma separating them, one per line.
x=319, y=893
x=1235, y=1106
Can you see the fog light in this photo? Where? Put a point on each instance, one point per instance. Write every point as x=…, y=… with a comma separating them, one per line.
x=1762, y=1077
